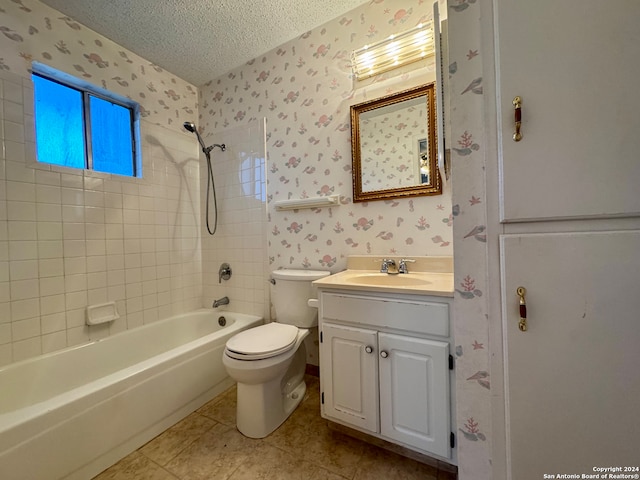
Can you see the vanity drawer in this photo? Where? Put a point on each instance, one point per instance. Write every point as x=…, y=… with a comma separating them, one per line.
x=419, y=316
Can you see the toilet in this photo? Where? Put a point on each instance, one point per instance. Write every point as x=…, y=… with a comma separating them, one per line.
x=268, y=362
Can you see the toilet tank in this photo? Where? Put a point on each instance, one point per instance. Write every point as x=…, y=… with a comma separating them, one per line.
x=289, y=294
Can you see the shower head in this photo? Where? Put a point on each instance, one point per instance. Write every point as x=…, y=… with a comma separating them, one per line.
x=191, y=127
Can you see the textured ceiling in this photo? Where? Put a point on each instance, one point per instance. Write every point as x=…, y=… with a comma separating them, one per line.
x=199, y=40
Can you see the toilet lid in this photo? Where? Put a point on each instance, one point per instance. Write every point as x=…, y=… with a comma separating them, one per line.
x=262, y=342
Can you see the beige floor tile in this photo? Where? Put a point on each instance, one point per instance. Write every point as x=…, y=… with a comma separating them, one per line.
x=270, y=463
x=377, y=463
x=292, y=435
x=307, y=436
x=174, y=440
x=135, y=467
x=215, y=455
x=335, y=452
x=207, y=446
x=222, y=409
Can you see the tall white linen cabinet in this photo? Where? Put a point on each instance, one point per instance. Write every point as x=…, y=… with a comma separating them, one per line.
x=563, y=187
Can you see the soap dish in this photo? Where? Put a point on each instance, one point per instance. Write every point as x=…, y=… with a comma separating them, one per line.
x=102, y=313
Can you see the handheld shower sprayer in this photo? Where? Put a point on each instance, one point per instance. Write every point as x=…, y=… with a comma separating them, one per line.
x=190, y=127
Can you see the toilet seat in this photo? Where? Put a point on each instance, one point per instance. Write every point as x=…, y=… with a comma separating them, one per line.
x=262, y=342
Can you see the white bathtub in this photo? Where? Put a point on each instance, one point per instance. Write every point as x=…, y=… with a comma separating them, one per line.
x=72, y=413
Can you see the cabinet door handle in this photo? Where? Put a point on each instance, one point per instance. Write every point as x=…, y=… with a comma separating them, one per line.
x=517, y=105
x=384, y=354
x=368, y=349
x=522, y=324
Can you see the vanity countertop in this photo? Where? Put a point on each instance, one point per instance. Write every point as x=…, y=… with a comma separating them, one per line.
x=427, y=276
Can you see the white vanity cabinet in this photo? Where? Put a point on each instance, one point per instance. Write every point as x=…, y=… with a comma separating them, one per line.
x=349, y=373
x=414, y=392
x=385, y=367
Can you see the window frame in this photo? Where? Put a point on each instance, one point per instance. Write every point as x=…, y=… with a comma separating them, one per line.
x=88, y=90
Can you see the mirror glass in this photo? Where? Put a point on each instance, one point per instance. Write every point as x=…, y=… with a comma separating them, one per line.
x=394, y=149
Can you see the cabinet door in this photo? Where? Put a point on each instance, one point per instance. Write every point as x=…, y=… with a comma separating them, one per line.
x=572, y=381
x=349, y=373
x=575, y=65
x=414, y=392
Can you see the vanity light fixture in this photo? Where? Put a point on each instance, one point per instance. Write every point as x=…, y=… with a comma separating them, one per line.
x=311, y=202
x=393, y=52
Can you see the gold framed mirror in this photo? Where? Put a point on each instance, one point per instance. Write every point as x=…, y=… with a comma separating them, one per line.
x=393, y=146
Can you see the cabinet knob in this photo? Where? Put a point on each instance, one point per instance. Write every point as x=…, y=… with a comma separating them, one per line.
x=384, y=354
x=368, y=349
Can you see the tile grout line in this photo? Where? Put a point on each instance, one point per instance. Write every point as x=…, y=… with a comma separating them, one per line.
x=187, y=445
x=158, y=465
x=319, y=465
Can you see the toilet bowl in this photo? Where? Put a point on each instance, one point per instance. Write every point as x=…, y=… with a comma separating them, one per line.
x=268, y=362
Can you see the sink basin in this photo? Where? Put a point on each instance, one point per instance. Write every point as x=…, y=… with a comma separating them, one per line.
x=423, y=283
x=385, y=279
x=427, y=276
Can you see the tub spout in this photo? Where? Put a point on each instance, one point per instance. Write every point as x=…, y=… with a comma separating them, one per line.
x=221, y=301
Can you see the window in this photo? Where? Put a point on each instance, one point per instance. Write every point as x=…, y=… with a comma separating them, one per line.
x=79, y=125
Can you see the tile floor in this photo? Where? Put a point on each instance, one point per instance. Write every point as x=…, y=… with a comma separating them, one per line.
x=206, y=445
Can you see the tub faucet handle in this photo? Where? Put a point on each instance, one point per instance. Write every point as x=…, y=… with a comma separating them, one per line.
x=224, y=273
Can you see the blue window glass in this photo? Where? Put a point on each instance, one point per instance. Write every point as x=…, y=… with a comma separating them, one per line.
x=59, y=124
x=80, y=125
x=111, y=137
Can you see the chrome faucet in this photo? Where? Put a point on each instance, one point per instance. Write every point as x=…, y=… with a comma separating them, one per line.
x=386, y=263
x=402, y=268
x=221, y=301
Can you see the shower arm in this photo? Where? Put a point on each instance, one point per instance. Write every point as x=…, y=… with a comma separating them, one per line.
x=207, y=150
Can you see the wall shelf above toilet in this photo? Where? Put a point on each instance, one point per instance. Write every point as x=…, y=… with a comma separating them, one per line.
x=311, y=202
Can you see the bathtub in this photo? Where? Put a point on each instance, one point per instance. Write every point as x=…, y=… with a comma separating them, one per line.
x=72, y=413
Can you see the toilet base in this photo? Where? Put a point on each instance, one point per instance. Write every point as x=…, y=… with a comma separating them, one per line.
x=269, y=390
x=263, y=408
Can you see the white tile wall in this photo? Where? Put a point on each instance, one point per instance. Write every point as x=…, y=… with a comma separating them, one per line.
x=69, y=239
x=240, y=240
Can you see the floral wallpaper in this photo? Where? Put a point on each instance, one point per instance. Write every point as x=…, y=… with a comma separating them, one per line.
x=473, y=375
x=304, y=88
x=31, y=31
